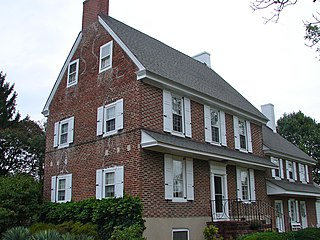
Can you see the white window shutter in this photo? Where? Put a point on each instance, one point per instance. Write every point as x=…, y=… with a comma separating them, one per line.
x=68, y=187
x=56, y=135
x=168, y=177
x=70, y=129
x=53, y=188
x=119, y=114
x=307, y=173
x=100, y=120
x=289, y=209
x=295, y=171
x=239, y=190
x=252, y=185
x=281, y=168
x=297, y=210
x=99, y=179
x=207, y=124
x=236, y=132
x=299, y=170
x=287, y=169
x=273, y=171
x=167, y=111
x=190, y=183
x=249, y=137
x=187, y=116
x=119, y=182
x=223, y=128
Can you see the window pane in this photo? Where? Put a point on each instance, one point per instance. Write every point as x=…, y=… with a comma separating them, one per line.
x=177, y=123
x=243, y=142
x=110, y=119
x=109, y=184
x=62, y=184
x=110, y=113
x=180, y=235
x=105, y=62
x=73, y=68
x=245, y=185
x=72, y=77
x=178, y=185
x=111, y=125
x=61, y=189
x=177, y=105
x=64, y=133
x=215, y=134
x=61, y=195
x=109, y=191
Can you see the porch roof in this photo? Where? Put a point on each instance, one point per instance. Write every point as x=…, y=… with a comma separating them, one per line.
x=282, y=187
x=178, y=145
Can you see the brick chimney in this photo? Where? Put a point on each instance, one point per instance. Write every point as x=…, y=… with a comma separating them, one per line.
x=91, y=10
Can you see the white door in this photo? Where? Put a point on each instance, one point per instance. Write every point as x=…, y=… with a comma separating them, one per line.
x=279, y=215
x=219, y=203
x=303, y=212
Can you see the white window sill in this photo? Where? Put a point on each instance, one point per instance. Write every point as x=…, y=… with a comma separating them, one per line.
x=178, y=134
x=216, y=144
x=304, y=182
x=179, y=200
x=72, y=84
x=105, y=69
x=110, y=133
x=291, y=180
x=277, y=178
x=63, y=146
x=243, y=150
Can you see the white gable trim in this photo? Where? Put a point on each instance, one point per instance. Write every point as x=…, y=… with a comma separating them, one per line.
x=45, y=110
x=122, y=45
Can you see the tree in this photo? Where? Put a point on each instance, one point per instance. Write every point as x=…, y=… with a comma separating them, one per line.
x=7, y=104
x=312, y=28
x=304, y=132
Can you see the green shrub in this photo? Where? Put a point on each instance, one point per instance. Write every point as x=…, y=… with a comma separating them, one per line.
x=17, y=233
x=20, y=200
x=47, y=235
x=210, y=232
x=133, y=232
x=37, y=227
x=265, y=236
x=307, y=234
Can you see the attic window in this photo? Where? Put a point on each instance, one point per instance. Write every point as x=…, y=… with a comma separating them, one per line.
x=73, y=73
x=105, y=57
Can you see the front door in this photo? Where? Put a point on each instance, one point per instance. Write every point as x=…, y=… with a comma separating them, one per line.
x=220, y=206
x=303, y=212
x=279, y=215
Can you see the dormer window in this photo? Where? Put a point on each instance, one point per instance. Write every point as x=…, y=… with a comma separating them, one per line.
x=242, y=134
x=291, y=171
x=73, y=70
x=215, y=126
x=303, y=173
x=105, y=57
x=277, y=173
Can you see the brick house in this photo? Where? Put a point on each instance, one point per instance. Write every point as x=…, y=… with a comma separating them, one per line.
x=129, y=114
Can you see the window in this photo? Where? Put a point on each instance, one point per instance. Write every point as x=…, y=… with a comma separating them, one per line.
x=303, y=173
x=293, y=210
x=176, y=114
x=61, y=188
x=63, y=133
x=105, y=57
x=180, y=234
x=215, y=128
x=110, y=118
x=278, y=172
x=109, y=182
x=242, y=134
x=178, y=178
x=291, y=171
x=245, y=184
x=73, y=70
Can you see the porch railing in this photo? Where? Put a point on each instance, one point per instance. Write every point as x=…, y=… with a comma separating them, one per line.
x=258, y=214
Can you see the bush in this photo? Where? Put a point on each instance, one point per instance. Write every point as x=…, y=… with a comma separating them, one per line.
x=17, y=233
x=133, y=232
x=307, y=234
x=265, y=236
x=210, y=232
x=20, y=200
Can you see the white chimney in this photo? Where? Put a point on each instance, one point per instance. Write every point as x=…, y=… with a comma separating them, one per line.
x=268, y=111
x=203, y=57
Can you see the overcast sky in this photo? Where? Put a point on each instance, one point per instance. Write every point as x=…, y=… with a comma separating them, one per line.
x=266, y=63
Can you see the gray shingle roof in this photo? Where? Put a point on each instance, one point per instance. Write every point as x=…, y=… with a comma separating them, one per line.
x=171, y=64
x=280, y=145
x=189, y=144
x=296, y=186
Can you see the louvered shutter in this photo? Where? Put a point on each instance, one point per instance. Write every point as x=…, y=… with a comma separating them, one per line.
x=99, y=179
x=70, y=129
x=300, y=171
x=119, y=114
x=249, y=137
x=273, y=171
x=307, y=173
x=100, y=114
x=119, y=179
x=239, y=190
x=236, y=132
x=168, y=177
x=53, y=188
x=207, y=124
x=68, y=187
x=252, y=185
x=287, y=169
x=190, y=183
x=56, y=135
x=167, y=111
x=223, y=128
x=295, y=177
x=281, y=168
x=187, y=116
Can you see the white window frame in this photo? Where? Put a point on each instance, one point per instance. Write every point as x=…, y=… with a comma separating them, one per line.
x=118, y=181
x=278, y=162
x=181, y=230
x=58, y=133
x=248, y=135
x=293, y=169
x=102, y=118
x=221, y=125
x=294, y=217
x=188, y=182
x=55, y=188
x=69, y=84
x=110, y=50
x=251, y=183
x=168, y=114
x=303, y=173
